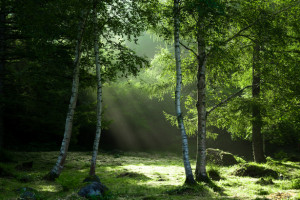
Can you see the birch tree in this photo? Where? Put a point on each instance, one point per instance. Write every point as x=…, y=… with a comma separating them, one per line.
x=185, y=151
x=199, y=17
x=203, y=16
x=57, y=169
x=107, y=26
x=99, y=92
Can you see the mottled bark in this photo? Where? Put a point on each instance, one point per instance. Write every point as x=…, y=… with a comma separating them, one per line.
x=257, y=140
x=57, y=169
x=185, y=151
x=99, y=93
x=200, y=172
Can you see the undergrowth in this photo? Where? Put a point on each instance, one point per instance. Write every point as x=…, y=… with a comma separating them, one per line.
x=146, y=176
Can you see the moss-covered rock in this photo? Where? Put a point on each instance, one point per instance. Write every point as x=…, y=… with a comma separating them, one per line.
x=94, y=190
x=255, y=171
x=219, y=157
x=27, y=193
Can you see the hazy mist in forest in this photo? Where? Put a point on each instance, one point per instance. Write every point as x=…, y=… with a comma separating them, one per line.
x=138, y=123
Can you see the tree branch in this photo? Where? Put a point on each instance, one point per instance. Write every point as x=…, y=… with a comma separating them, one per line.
x=247, y=36
x=239, y=33
x=226, y=100
x=189, y=49
x=256, y=21
x=288, y=51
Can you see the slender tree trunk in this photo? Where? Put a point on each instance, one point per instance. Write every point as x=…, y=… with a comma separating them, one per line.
x=257, y=140
x=185, y=151
x=57, y=169
x=200, y=172
x=99, y=94
x=3, y=33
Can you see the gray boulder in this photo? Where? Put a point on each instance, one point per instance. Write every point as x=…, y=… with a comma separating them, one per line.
x=93, y=189
x=27, y=193
x=220, y=157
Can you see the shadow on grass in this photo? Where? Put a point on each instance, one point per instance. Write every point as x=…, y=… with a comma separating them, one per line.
x=215, y=187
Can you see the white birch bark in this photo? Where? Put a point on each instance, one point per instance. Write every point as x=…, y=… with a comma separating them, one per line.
x=99, y=94
x=57, y=169
x=185, y=151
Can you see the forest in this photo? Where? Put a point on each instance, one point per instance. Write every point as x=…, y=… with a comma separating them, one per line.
x=149, y=99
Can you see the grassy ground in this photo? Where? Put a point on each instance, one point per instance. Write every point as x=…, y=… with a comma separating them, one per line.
x=143, y=176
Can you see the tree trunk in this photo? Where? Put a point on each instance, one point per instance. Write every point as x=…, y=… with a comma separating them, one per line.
x=257, y=140
x=200, y=172
x=3, y=33
x=99, y=94
x=57, y=169
x=185, y=151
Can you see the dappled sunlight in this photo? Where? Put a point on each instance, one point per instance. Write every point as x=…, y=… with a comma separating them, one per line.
x=48, y=188
x=140, y=175
x=159, y=175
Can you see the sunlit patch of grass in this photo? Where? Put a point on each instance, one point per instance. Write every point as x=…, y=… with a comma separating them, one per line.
x=48, y=188
x=145, y=176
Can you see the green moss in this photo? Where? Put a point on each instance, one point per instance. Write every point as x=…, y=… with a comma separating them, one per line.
x=143, y=176
x=254, y=170
x=70, y=181
x=199, y=190
x=93, y=178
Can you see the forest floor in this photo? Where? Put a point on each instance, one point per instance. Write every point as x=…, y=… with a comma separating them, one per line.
x=143, y=176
